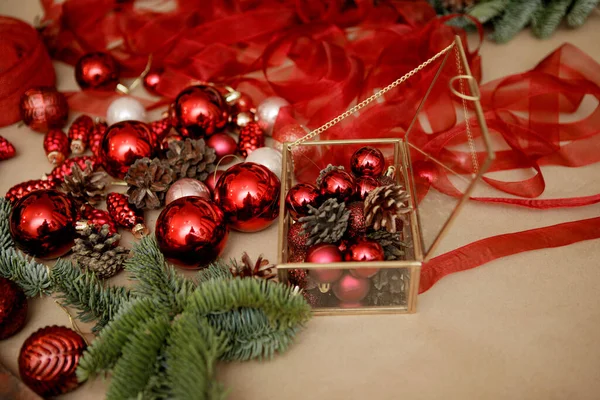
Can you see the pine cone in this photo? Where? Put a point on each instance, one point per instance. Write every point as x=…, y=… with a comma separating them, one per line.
x=97, y=251
x=383, y=205
x=148, y=182
x=85, y=185
x=251, y=138
x=191, y=158
x=326, y=170
x=326, y=224
x=393, y=247
x=260, y=269
x=389, y=287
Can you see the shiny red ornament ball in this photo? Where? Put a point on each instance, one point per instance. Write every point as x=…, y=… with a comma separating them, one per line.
x=93, y=217
x=199, y=111
x=24, y=188
x=367, y=161
x=56, y=146
x=48, y=360
x=350, y=289
x=123, y=143
x=152, y=79
x=97, y=71
x=7, y=150
x=297, y=238
x=365, y=185
x=324, y=253
x=191, y=232
x=357, y=224
x=339, y=184
x=223, y=144
x=44, y=108
x=243, y=104
x=13, y=308
x=365, y=250
x=126, y=214
x=213, y=178
x=79, y=133
x=299, y=197
x=248, y=193
x=42, y=224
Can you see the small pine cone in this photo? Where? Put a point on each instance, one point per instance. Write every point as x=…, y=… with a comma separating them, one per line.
x=24, y=188
x=80, y=132
x=65, y=169
x=325, y=171
x=384, y=205
x=97, y=251
x=148, y=182
x=393, y=247
x=326, y=224
x=96, y=137
x=191, y=158
x=7, y=150
x=56, y=146
x=251, y=138
x=260, y=269
x=125, y=214
x=389, y=287
x=85, y=185
x=95, y=218
x=159, y=130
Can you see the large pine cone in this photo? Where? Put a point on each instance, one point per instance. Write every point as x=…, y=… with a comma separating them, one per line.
x=326, y=224
x=384, y=205
x=97, y=251
x=191, y=158
x=85, y=184
x=148, y=182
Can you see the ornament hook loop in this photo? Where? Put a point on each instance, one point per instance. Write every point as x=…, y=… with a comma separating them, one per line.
x=474, y=88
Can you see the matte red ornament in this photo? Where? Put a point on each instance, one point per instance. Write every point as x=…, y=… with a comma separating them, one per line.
x=44, y=108
x=350, y=289
x=123, y=143
x=93, y=217
x=13, y=308
x=248, y=193
x=339, y=184
x=191, y=232
x=96, y=138
x=80, y=132
x=290, y=133
x=48, y=360
x=251, y=138
x=357, y=225
x=126, y=214
x=364, y=186
x=42, y=223
x=159, y=130
x=297, y=238
x=223, y=144
x=7, y=150
x=97, y=71
x=152, y=80
x=59, y=172
x=199, y=111
x=367, y=161
x=213, y=178
x=324, y=253
x=299, y=197
x=24, y=188
x=56, y=146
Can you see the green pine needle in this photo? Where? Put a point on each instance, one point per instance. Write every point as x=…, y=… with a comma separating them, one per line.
x=487, y=10
x=6, y=241
x=216, y=270
x=580, y=11
x=517, y=15
x=31, y=276
x=547, y=19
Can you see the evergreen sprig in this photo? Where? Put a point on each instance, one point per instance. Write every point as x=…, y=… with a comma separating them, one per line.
x=517, y=16
x=30, y=275
x=580, y=11
x=6, y=241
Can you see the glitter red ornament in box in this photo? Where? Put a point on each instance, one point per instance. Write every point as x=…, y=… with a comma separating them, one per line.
x=56, y=146
x=48, y=360
x=44, y=108
x=251, y=138
x=24, y=188
x=79, y=133
x=199, y=111
x=299, y=197
x=191, y=232
x=125, y=214
x=123, y=144
x=357, y=225
x=13, y=308
x=97, y=71
x=7, y=150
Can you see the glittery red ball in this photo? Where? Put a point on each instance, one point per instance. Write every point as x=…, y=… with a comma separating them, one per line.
x=297, y=239
x=151, y=81
x=49, y=358
x=13, y=308
x=191, y=232
x=364, y=186
x=44, y=108
x=339, y=184
x=299, y=197
x=248, y=193
x=357, y=225
x=123, y=143
x=367, y=161
x=42, y=224
x=97, y=71
x=199, y=111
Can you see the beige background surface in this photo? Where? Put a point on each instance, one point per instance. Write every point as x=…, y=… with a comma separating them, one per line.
x=525, y=327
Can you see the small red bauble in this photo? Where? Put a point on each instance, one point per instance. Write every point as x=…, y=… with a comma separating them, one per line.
x=125, y=214
x=248, y=193
x=191, y=232
x=48, y=360
x=213, y=178
x=199, y=111
x=223, y=144
x=339, y=184
x=123, y=143
x=42, y=224
x=97, y=71
x=364, y=186
x=367, y=161
x=357, y=225
x=324, y=254
x=24, y=188
x=44, y=108
x=243, y=104
x=251, y=138
x=7, y=150
x=13, y=308
x=299, y=197
x=350, y=289
x=56, y=146
x=152, y=79
x=79, y=133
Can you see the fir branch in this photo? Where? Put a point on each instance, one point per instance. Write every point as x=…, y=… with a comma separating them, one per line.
x=31, y=276
x=83, y=291
x=133, y=370
x=517, y=15
x=6, y=241
x=548, y=18
x=216, y=270
x=580, y=11
x=487, y=10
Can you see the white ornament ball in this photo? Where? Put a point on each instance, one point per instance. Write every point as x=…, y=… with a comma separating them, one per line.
x=267, y=111
x=125, y=109
x=268, y=157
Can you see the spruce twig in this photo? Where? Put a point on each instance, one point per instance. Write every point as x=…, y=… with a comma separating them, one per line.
x=30, y=275
x=487, y=10
x=6, y=241
x=517, y=15
x=545, y=21
x=580, y=11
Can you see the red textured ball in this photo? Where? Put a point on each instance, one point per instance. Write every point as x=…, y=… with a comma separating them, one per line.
x=324, y=254
x=367, y=161
x=191, y=232
x=49, y=358
x=123, y=143
x=13, y=308
x=364, y=186
x=44, y=108
x=357, y=224
x=297, y=238
x=302, y=155
x=339, y=184
x=248, y=193
x=350, y=289
x=223, y=144
x=152, y=79
x=42, y=224
x=299, y=197
x=97, y=71
x=213, y=178
x=199, y=111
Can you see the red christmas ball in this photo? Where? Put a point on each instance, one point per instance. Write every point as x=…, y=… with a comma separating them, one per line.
x=248, y=193
x=48, y=360
x=223, y=144
x=302, y=155
x=324, y=253
x=299, y=197
x=297, y=238
x=365, y=250
x=123, y=143
x=44, y=108
x=97, y=71
x=364, y=186
x=191, y=232
x=339, y=184
x=243, y=104
x=13, y=308
x=152, y=79
x=350, y=289
x=199, y=111
x=213, y=178
x=357, y=224
x=42, y=224
x=367, y=161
